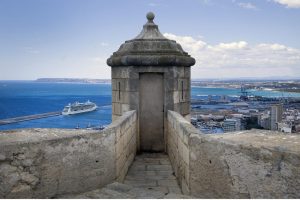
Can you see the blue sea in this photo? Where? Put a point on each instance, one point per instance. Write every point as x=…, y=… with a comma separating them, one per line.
x=20, y=98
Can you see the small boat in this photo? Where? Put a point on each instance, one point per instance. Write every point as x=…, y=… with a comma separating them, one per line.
x=76, y=108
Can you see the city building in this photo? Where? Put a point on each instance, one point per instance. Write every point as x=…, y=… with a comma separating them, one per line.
x=264, y=121
x=284, y=127
x=233, y=124
x=276, y=116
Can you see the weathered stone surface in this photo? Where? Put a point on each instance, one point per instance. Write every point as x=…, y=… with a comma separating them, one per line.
x=122, y=191
x=247, y=164
x=177, y=196
x=44, y=163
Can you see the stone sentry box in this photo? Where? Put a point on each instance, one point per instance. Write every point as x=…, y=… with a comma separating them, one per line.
x=151, y=74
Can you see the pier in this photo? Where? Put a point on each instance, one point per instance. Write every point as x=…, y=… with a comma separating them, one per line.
x=28, y=117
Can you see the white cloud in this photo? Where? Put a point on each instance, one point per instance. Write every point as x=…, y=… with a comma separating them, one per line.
x=247, y=5
x=289, y=3
x=189, y=42
x=240, y=59
x=232, y=45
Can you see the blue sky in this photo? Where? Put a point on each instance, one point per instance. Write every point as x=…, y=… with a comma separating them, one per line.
x=73, y=38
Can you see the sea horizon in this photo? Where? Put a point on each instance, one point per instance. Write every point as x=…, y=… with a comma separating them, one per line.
x=28, y=98
x=267, y=78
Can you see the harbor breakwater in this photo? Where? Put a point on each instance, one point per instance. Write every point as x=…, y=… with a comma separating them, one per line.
x=29, y=117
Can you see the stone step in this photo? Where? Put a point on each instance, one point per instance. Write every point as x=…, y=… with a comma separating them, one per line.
x=118, y=190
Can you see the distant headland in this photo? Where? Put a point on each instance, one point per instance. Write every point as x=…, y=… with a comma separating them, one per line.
x=72, y=80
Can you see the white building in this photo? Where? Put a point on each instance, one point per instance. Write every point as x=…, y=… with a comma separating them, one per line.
x=284, y=127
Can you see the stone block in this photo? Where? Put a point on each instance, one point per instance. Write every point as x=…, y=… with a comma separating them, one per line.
x=141, y=193
x=130, y=98
x=134, y=106
x=171, y=84
x=180, y=132
x=116, y=97
x=119, y=149
x=114, y=117
x=155, y=69
x=185, y=108
x=131, y=85
x=125, y=108
x=124, y=126
x=174, y=190
x=120, y=164
x=180, y=149
x=187, y=95
x=128, y=135
x=159, y=168
x=184, y=187
x=141, y=183
x=118, y=84
x=118, y=134
x=187, y=72
x=185, y=152
x=185, y=138
x=124, y=72
x=177, y=107
x=176, y=72
x=119, y=187
x=183, y=84
x=116, y=109
x=167, y=183
x=176, y=97
x=187, y=174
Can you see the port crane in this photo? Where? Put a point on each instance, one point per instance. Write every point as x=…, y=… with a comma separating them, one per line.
x=244, y=94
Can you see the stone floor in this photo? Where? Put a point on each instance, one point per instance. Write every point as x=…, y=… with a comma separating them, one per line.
x=152, y=171
x=149, y=177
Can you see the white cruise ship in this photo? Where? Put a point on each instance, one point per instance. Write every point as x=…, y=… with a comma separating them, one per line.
x=76, y=108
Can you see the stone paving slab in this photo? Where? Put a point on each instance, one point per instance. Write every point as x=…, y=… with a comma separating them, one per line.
x=153, y=172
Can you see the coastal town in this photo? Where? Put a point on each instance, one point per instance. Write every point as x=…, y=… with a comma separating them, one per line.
x=223, y=113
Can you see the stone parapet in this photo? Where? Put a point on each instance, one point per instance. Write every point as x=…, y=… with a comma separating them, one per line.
x=125, y=128
x=246, y=164
x=45, y=163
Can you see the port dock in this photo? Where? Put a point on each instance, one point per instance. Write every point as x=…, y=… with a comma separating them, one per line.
x=28, y=117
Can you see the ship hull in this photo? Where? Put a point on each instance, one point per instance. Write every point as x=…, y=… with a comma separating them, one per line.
x=79, y=111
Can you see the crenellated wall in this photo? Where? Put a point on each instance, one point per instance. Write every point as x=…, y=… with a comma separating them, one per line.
x=44, y=163
x=247, y=164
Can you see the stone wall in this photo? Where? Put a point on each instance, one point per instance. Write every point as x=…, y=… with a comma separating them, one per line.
x=247, y=164
x=45, y=163
x=126, y=143
x=178, y=148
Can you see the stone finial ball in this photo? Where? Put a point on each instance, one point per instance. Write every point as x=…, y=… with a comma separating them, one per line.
x=150, y=16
